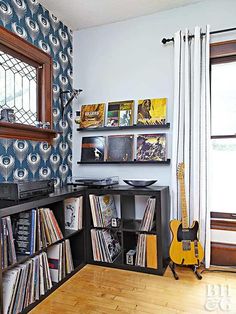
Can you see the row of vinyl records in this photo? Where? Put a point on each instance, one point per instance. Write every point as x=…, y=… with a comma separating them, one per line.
x=27, y=282
x=106, y=247
x=121, y=113
x=28, y=232
x=149, y=147
x=103, y=209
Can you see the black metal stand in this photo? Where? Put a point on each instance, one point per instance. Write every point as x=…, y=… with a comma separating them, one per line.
x=172, y=268
x=192, y=267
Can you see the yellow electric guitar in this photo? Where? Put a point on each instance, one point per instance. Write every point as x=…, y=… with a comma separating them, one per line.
x=185, y=248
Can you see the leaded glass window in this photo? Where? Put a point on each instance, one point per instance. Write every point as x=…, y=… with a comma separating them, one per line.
x=18, y=88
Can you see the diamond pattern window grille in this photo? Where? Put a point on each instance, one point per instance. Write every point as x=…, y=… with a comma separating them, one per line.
x=18, y=88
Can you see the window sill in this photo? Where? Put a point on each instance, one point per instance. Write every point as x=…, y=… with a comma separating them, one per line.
x=26, y=132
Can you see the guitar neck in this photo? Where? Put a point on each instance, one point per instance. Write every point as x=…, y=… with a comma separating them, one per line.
x=185, y=221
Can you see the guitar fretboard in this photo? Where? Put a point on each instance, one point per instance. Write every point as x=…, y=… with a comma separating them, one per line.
x=185, y=222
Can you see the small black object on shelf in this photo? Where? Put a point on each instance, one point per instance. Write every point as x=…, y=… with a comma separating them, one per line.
x=115, y=222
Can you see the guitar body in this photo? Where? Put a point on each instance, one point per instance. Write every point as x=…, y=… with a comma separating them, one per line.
x=185, y=249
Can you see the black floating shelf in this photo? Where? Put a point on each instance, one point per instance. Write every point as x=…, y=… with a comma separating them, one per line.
x=133, y=162
x=131, y=127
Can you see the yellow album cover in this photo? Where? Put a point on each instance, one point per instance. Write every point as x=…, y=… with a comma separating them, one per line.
x=92, y=116
x=152, y=111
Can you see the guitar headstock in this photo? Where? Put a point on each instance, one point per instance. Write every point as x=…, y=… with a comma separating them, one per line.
x=180, y=171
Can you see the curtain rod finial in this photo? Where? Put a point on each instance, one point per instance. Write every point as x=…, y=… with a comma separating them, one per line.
x=166, y=40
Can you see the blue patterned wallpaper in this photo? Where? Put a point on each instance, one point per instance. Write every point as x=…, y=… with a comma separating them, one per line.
x=20, y=159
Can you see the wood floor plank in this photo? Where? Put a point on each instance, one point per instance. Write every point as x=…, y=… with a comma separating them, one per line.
x=100, y=290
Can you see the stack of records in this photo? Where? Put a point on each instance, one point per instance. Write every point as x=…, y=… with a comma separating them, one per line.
x=147, y=222
x=103, y=209
x=35, y=229
x=7, y=242
x=105, y=245
x=48, y=228
x=146, y=251
x=60, y=260
x=25, y=284
x=140, y=259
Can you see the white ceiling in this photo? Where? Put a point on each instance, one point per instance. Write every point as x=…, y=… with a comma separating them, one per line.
x=79, y=14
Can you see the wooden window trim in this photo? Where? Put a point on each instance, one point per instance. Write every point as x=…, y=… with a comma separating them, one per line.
x=223, y=254
x=25, y=51
x=223, y=49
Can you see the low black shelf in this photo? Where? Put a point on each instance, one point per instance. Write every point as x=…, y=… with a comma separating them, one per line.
x=131, y=127
x=133, y=162
x=129, y=229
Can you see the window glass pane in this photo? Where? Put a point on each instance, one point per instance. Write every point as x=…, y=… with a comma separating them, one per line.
x=18, y=88
x=223, y=175
x=223, y=98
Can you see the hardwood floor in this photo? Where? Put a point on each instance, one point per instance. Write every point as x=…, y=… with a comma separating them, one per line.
x=99, y=290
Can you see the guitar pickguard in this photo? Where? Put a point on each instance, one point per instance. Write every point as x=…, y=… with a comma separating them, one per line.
x=187, y=234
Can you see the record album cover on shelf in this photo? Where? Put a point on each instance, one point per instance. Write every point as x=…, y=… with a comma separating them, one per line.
x=120, y=148
x=120, y=113
x=152, y=111
x=93, y=148
x=108, y=208
x=24, y=227
x=73, y=210
x=151, y=147
x=92, y=116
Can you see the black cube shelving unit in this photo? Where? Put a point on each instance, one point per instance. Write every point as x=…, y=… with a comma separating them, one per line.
x=129, y=227
x=80, y=241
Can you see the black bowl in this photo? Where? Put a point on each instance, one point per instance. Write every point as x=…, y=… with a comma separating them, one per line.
x=140, y=183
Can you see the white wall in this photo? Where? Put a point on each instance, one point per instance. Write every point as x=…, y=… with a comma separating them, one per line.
x=126, y=60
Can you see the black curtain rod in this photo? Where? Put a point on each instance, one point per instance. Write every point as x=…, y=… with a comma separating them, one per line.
x=167, y=40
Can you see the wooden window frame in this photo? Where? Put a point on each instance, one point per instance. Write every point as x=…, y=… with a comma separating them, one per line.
x=25, y=51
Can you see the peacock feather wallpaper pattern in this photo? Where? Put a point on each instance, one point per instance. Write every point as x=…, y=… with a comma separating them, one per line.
x=19, y=159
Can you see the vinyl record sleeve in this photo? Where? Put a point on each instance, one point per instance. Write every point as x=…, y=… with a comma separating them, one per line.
x=152, y=111
x=151, y=147
x=93, y=148
x=120, y=113
x=92, y=116
x=120, y=148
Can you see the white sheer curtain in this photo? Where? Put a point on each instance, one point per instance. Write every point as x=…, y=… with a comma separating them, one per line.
x=191, y=128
